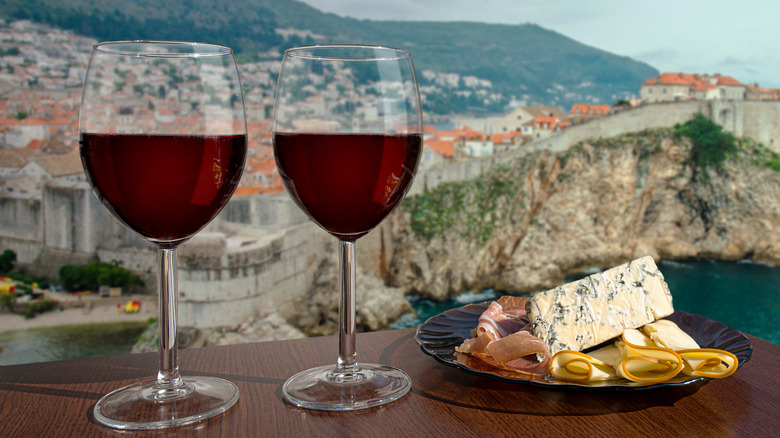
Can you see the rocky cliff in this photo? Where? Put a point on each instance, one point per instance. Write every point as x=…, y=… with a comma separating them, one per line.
x=526, y=225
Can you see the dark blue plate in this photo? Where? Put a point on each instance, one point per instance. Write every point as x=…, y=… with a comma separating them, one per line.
x=440, y=334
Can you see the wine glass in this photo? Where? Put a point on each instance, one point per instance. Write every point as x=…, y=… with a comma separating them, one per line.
x=347, y=137
x=163, y=142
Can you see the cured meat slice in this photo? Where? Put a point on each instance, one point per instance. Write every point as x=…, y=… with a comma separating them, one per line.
x=503, y=317
x=503, y=339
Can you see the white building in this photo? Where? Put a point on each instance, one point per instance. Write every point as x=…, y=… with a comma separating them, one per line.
x=669, y=87
x=521, y=119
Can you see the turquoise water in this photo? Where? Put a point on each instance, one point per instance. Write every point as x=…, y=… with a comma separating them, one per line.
x=68, y=342
x=744, y=296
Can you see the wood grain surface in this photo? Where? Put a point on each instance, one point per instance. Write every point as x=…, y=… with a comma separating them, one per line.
x=56, y=398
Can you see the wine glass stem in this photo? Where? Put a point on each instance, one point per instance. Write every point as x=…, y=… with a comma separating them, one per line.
x=347, y=332
x=168, y=376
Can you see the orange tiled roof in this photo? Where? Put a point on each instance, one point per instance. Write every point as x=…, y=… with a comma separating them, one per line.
x=461, y=133
x=690, y=79
x=35, y=144
x=546, y=119
x=672, y=79
x=248, y=190
x=444, y=148
x=704, y=86
x=584, y=108
x=727, y=80
x=508, y=137
x=26, y=121
x=550, y=121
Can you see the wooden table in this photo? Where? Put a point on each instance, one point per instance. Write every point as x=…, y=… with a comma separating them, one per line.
x=56, y=398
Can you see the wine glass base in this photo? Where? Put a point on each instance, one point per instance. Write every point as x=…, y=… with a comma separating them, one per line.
x=325, y=389
x=140, y=407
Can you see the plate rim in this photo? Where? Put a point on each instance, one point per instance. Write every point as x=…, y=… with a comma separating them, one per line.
x=746, y=353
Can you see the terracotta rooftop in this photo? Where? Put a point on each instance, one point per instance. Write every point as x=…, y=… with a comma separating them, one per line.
x=704, y=86
x=29, y=121
x=691, y=79
x=584, y=108
x=444, y=148
x=248, y=190
x=508, y=137
x=35, y=144
x=672, y=79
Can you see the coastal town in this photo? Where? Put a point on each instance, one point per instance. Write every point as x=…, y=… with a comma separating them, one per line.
x=261, y=218
x=42, y=70
x=48, y=209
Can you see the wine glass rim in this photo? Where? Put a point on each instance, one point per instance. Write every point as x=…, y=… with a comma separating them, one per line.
x=306, y=52
x=132, y=48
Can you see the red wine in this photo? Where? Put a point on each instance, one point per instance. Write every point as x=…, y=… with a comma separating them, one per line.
x=164, y=187
x=347, y=183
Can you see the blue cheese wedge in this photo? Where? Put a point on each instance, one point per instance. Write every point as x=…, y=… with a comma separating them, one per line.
x=587, y=312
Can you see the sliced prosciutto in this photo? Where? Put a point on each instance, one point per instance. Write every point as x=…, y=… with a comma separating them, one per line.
x=521, y=352
x=503, y=339
x=503, y=317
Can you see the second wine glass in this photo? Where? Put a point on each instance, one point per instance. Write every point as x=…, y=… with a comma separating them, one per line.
x=347, y=139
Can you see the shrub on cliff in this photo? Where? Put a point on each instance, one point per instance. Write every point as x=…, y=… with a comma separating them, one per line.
x=710, y=145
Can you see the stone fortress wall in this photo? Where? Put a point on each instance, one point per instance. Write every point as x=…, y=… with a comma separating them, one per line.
x=260, y=256
x=755, y=119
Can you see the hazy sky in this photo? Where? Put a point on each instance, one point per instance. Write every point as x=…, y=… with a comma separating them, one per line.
x=739, y=39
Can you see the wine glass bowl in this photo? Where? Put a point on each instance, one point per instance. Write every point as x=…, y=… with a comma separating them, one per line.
x=347, y=139
x=163, y=142
x=347, y=183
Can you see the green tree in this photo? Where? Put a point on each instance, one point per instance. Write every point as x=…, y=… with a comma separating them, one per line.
x=7, y=260
x=710, y=144
x=96, y=274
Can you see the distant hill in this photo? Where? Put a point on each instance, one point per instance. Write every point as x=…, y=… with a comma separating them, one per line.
x=523, y=61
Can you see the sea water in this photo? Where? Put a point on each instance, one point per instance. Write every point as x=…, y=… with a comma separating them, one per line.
x=68, y=342
x=742, y=295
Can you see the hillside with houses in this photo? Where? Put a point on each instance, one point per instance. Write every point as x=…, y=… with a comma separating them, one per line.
x=42, y=69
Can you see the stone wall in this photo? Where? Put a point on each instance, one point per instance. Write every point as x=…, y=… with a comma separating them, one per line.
x=269, y=272
x=753, y=119
x=761, y=121
x=268, y=211
x=21, y=218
